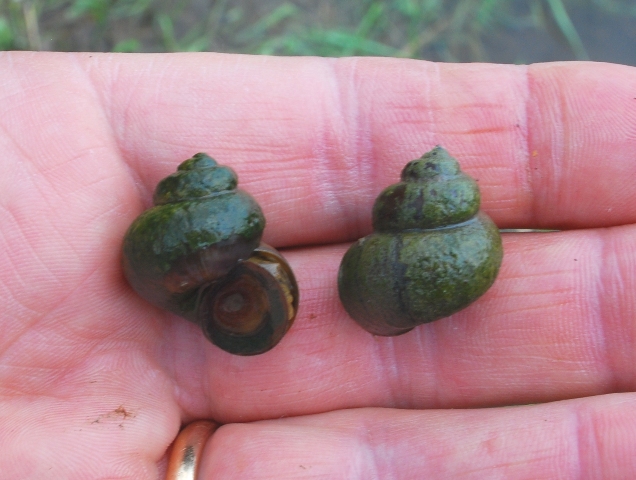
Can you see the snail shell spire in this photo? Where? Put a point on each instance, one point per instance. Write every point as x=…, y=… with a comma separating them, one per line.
x=433, y=193
x=199, y=177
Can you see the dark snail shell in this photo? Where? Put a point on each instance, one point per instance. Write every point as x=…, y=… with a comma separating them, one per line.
x=198, y=253
x=432, y=252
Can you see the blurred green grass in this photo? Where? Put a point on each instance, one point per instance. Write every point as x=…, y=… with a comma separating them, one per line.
x=459, y=30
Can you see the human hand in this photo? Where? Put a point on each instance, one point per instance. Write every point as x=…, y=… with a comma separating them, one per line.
x=95, y=382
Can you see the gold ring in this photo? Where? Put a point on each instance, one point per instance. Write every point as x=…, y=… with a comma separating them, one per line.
x=187, y=448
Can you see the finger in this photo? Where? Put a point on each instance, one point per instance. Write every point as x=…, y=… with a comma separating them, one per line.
x=557, y=323
x=592, y=437
x=315, y=140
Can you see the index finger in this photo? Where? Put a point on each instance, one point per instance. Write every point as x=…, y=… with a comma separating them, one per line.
x=315, y=140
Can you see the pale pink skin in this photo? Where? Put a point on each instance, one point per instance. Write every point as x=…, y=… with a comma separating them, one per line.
x=95, y=382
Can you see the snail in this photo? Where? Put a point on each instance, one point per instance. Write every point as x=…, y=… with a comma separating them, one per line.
x=198, y=253
x=432, y=253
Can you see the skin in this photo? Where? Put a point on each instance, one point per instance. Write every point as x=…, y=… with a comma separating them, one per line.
x=87, y=366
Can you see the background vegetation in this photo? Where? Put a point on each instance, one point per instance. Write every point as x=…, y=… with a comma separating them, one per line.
x=511, y=31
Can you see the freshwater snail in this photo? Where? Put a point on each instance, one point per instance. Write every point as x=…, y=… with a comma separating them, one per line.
x=432, y=253
x=197, y=253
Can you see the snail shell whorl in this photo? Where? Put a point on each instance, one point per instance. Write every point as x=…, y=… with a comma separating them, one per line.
x=432, y=252
x=200, y=240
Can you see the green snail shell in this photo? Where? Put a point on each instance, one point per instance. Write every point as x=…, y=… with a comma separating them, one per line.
x=432, y=252
x=201, y=242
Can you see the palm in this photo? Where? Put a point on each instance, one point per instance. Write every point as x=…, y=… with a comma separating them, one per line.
x=86, y=366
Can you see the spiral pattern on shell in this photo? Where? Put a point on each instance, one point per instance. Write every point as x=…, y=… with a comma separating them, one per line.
x=432, y=252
